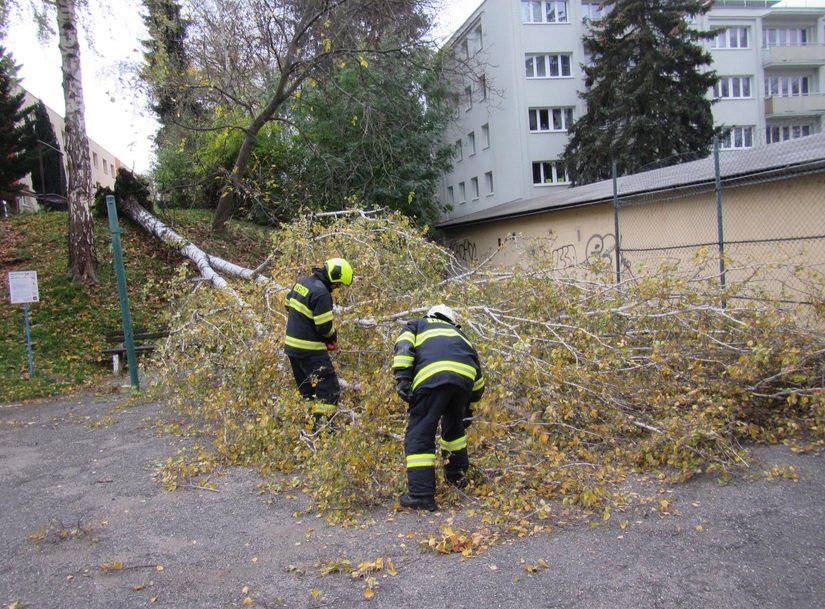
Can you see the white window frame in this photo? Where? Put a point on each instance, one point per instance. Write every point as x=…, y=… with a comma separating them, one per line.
x=592, y=10
x=735, y=37
x=785, y=36
x=462, y=193
x=787, y=86
x=474, y=193
x=450, y=195
x=471, y=142
x=545, y=11
x=549, y=120
x=783, y=133
x=548, y=173
x=554, y=65
x=488, y=179
x=733, y=87
x=468, y=98
x=459, y=151
x=485, y=135
x=738, y=138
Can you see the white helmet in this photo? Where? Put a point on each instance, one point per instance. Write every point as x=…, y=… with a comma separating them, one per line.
x=444, y=312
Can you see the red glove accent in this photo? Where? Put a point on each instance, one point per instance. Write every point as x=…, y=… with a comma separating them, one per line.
x=332, y=346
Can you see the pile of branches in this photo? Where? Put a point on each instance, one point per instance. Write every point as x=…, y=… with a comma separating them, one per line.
x=588, y=381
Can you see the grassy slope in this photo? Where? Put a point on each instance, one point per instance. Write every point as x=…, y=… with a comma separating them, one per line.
x=69, y=323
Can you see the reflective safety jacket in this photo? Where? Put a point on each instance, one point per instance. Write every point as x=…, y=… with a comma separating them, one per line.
x=309, y=323
x=432, y=352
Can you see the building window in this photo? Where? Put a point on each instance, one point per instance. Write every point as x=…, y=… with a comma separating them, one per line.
x=786, y=86
x=593, y=11
x=474, y=187
x=544, y=11
x=550, y=119
x=488, y=179
x=485, y=135
x=105, y=167
x=732, y=87
x=468, y=97
x=549, y=172
x=784, y=37
x=471, y=142
x=94, y=159
x=731, y=38
x=462, y=193
x=782, y=133
x=737, y=138
x=547, y=66
x=482, y=87
x=450, y=195
x=459, y=151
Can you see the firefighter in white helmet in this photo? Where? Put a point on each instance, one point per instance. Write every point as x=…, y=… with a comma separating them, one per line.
x=437, y=372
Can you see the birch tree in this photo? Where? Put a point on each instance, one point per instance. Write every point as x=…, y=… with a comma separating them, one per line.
x=82, y=251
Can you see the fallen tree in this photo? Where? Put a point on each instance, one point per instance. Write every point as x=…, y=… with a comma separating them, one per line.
x=588, y=382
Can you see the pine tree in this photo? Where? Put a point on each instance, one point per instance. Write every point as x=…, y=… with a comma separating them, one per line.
x=15, y=139
x=646, y=90
x=48, y=175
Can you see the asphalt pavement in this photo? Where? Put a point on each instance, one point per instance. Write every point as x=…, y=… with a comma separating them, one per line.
x=84, y=524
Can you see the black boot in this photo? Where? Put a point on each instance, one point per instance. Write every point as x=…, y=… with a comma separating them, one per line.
x=415, y=502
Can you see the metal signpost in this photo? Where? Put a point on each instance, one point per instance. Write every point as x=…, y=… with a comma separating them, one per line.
x=23, y=290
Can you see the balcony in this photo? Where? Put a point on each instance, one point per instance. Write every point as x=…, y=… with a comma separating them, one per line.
x=800, y=56
x=800, y=105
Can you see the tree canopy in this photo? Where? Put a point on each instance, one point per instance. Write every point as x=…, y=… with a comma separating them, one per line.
x=646, y=89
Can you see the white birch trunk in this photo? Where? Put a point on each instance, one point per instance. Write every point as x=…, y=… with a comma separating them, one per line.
x=82, y=251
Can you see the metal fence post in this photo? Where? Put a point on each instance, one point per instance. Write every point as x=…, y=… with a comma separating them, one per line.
x=128, y=336
x=614, y=172
x=720, y=235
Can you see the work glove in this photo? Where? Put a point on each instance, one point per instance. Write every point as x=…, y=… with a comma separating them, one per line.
x=332, y=346
x=404, y=389
x=332, y=338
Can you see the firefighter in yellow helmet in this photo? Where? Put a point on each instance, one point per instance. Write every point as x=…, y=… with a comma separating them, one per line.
x=437, y=372
x=311, y=335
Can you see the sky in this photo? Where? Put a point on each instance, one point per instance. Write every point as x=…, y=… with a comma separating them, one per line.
x=117, y=116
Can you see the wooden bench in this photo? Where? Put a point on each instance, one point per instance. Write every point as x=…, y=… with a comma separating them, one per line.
x=144, y=341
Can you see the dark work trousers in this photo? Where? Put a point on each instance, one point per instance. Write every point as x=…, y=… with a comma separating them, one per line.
x=445, y=404
x=316, y=380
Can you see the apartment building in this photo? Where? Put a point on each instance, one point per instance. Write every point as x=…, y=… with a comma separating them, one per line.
x=520, y=63
x=104, y=164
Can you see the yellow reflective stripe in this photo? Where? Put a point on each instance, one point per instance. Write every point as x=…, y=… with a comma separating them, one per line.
x=323, y=408
x=421, y=460
x=323, y=318
x=479, y=384
x=443, y=366
x=402, y=361
x=310, y=345
x=406, y=335
x=454, y=445
x=300, y=307
x=428, y=334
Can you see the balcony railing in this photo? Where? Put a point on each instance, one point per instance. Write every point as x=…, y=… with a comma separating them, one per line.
x=798, y=56
x=800, y=105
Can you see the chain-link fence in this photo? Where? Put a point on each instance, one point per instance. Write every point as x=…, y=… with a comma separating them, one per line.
x=753, y=218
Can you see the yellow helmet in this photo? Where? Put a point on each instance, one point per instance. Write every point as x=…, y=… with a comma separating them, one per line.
x=338, y=271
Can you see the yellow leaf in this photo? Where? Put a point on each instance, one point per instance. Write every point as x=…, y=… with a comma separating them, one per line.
x=159, y=568
x=369, y=593
x=391, y=567
x=544, y=563
x=247, y=601
x=315, y=593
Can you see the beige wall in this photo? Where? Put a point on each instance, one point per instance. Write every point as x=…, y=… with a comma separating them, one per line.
x=788, y=213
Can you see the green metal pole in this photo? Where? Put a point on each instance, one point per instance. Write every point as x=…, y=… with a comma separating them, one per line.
x=128, y=336
x=615, y=172
x=720, y=233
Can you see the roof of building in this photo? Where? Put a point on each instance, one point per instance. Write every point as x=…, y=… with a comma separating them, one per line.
x=792, y=156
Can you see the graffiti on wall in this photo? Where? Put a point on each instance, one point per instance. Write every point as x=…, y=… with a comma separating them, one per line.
x=601, y=246
x=464, y=250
